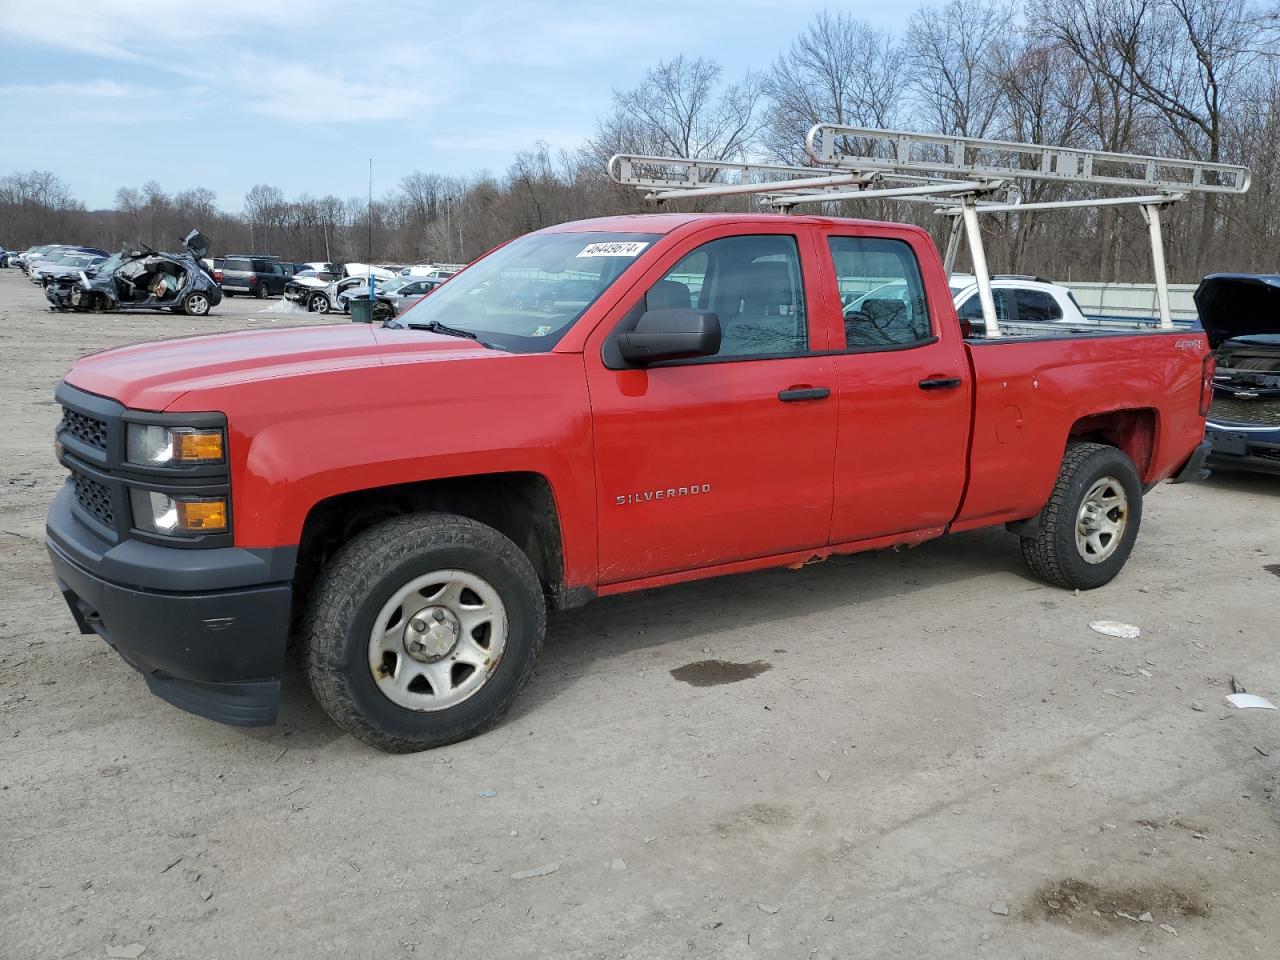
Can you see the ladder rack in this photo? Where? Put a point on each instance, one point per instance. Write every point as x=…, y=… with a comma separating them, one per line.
x=959, y=174
x=935, y=154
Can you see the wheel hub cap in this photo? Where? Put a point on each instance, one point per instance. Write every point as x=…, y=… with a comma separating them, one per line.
x=1101, y=521
x=437, y=640
x=432, y=632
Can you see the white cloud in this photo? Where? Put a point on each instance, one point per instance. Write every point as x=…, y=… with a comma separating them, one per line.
x=111, y=89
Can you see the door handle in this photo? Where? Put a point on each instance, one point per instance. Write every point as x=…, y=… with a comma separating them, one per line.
x=796, y=394
x=940, y=383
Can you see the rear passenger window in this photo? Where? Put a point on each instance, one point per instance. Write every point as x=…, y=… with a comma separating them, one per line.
x=881, y=293
x=752, y=284
x=1036, y=306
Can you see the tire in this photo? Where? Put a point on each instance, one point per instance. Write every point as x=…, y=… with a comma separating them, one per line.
x=318, y=303
x=361, y=585
x=382, y=312
x=196, y=304
x=1087, y=529
x=261, y=291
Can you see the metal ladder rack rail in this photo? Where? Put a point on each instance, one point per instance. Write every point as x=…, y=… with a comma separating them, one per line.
x=949, y=171
x=941, y=155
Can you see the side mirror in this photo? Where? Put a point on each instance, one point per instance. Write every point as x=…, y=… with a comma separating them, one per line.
x=966, y=328
x=671, y=334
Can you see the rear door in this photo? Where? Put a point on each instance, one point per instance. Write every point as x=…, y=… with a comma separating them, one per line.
x=726, y=458
x=905, y=389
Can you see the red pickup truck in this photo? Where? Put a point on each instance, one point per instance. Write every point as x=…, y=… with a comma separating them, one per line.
x=694, y=395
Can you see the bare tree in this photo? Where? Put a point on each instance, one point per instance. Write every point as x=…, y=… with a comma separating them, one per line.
x=948, y=49
x=839, y=70
x=681, y=108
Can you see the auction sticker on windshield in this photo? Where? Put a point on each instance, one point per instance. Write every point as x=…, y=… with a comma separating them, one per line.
x=618, y=248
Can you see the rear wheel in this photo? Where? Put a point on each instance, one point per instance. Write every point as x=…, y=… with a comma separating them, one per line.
x=196, y=304
x=422, y=630
x=262, y=291
x=1086, y=531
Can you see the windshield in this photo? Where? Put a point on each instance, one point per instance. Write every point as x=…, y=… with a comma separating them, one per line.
x=526, y=295
x=109, y=264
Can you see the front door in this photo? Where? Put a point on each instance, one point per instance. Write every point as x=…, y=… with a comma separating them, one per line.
x=726, y=458
x=905, y=386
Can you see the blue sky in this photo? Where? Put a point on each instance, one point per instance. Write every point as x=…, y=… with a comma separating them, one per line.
x=299, y=95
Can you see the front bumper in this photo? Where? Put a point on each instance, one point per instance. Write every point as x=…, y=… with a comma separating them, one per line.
x=207, y=628
x=1240, y=447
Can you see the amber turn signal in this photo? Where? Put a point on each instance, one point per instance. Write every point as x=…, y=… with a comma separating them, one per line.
x=202, y=516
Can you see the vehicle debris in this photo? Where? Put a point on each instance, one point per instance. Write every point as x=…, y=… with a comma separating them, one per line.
x=1249, y=701
x=1000, y=908
x=769, y=908
x=1113, y=628
x=129, y=952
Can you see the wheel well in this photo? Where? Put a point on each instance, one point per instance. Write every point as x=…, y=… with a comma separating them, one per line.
x=1133, y=431
x=521, y=506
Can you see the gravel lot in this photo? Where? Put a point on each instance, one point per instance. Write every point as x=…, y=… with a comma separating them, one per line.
x=935, y=757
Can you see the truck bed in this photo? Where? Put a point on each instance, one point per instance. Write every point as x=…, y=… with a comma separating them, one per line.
x=1036, y=391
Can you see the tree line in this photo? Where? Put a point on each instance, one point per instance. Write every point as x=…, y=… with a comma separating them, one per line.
x=1198, y=79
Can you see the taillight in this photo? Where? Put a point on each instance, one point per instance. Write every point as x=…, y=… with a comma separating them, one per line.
x=217, y=276
x=253, y=277
x=1207, y=369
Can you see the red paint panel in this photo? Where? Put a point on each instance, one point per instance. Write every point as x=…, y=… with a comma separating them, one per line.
x=901, y=451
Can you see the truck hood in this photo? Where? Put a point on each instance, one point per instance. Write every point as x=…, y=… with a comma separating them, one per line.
x=152, y=376
x=1238, y=304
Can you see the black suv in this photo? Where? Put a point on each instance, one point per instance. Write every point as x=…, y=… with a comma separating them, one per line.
x=252, y=273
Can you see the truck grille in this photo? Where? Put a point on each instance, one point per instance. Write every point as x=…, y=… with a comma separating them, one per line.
x=94, y=498
x=1227, y=409
x=85, y=428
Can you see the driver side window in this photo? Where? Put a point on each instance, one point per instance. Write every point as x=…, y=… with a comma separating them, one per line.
x=753, y=284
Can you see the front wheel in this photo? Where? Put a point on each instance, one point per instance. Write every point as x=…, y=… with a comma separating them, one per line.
x=422, y=630
x=1087, y=529
x=382, y=312
x=318, y=303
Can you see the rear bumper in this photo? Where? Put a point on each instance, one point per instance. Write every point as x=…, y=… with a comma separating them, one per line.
x=1244, y=448
x=217, y=653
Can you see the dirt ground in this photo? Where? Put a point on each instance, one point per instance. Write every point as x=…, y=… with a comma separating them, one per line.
x=906, y=755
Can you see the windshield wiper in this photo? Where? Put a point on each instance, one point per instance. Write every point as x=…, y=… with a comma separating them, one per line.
x=435, y=326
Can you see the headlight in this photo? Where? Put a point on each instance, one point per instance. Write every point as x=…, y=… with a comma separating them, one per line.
x=178, y=516
x=157, y=446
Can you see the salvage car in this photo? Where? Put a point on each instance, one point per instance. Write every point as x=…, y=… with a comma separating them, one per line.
x=140, y=278
x=1240, y=314
x=323, y=292
x=321, y=296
